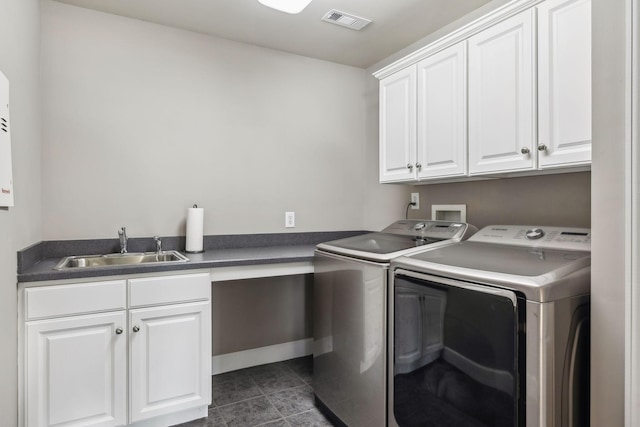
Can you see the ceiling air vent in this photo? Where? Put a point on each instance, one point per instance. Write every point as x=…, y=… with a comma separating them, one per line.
x=346, y=19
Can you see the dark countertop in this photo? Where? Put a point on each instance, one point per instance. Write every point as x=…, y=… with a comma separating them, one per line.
x=37, y=262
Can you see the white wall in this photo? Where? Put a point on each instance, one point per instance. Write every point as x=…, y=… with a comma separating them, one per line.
x=20, y=225
x=144, y=120
x=610, y=182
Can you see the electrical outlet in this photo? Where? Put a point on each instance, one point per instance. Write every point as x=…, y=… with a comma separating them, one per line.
x=415, y=198
x=289, y=219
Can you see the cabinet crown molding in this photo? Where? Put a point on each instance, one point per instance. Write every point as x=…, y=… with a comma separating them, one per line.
x=500, y=14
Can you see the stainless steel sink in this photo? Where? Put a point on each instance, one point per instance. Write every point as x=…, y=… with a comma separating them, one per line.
x=134, y=258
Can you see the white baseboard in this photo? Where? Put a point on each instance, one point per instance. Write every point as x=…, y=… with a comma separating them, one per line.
x=259, y=356
x=174, y=418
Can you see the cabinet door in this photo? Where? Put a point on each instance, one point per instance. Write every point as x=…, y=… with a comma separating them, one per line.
x=442, y=114
x=76, y=371
x=501, y=97
x=564, y=79
x=407, y=329
x=398, y=126
x=170, y=359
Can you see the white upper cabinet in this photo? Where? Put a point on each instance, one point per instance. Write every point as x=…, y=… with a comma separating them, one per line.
x=507, y=94
x=502, y=97
x=442, y=118
x=564, y=82
x=423, y=119
x=398, y=126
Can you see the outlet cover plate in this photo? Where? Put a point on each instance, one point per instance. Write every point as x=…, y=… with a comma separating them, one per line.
x=415, y=198
x=289, y=219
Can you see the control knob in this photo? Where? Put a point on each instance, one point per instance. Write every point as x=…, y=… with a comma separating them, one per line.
x=534, y=234
x=419, y=226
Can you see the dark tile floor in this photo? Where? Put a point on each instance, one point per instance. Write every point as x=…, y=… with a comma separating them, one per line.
x=273, y=395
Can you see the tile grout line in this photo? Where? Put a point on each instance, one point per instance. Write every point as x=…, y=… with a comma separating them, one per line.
x=282, y=417
x=276, y=408
x=286, y=368
x=266, y=397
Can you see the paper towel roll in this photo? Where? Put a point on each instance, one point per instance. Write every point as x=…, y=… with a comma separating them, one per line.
x=195, y=229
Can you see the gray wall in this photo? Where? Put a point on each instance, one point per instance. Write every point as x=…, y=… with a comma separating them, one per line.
x=20, y=225
x=609, y=196
x=256, y=313
x=144, y=120
x=556, y=200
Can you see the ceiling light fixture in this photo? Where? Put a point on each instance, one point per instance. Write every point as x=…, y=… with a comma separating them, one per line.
x=289, y=6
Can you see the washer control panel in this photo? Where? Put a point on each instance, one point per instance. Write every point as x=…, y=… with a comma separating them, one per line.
x=536, y=236
x=429, y=229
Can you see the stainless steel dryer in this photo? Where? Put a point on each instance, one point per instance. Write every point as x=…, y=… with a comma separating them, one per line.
x=350, y=315
x=493, y=331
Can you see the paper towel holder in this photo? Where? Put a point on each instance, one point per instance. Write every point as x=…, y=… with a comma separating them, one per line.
x=201, y=237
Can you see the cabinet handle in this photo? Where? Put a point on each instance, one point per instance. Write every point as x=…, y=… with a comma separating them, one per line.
x=419, y=165
x=542, y=147
x=409, y=166
x=136, y=328
x=525, y=150
x=119, y=331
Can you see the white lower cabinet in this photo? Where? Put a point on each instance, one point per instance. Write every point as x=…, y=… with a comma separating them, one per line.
x=128, y=365
x=168, y=356
x=76, y=371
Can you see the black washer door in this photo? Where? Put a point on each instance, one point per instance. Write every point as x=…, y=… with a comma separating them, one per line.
x=456, y=357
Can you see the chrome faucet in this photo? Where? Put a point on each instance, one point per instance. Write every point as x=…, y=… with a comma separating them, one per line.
x=122, y=233
x=158, y=245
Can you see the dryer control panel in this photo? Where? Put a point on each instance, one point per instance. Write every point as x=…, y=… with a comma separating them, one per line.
x=535, y=236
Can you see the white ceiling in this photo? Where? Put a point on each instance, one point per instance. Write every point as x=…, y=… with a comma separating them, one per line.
x=396, y=23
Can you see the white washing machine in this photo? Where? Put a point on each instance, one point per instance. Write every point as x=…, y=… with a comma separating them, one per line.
x=350, y=315
x=493, y=331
